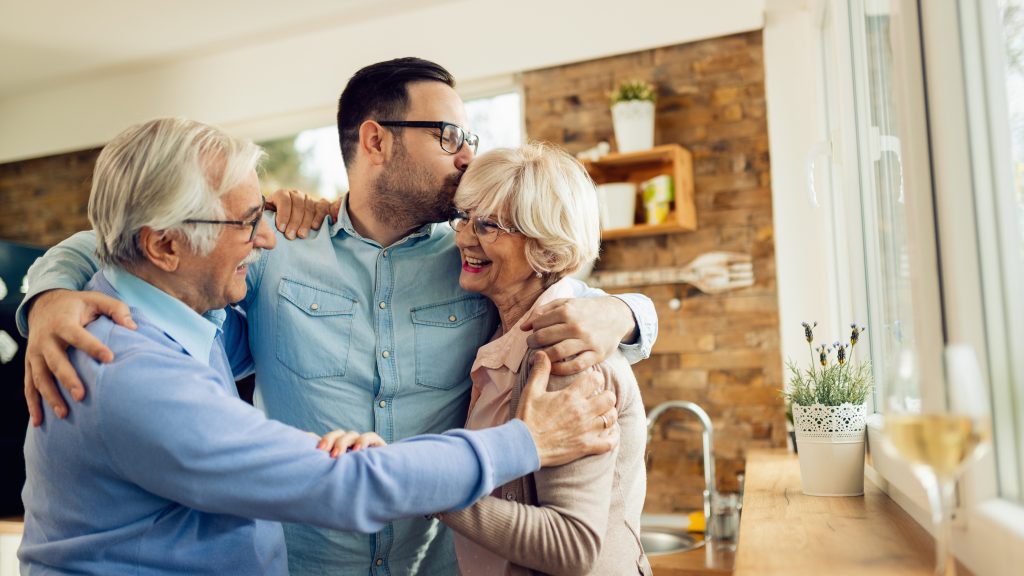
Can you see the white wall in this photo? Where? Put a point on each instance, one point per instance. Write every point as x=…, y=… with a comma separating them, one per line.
x=802, y=246
x=284, y=85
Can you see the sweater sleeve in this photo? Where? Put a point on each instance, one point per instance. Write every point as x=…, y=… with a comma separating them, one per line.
x=564, y=532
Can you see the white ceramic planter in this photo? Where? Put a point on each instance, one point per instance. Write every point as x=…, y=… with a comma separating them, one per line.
x=633, y=121
x=830, y=443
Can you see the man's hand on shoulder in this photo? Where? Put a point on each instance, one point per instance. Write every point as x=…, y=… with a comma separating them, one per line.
x=571, y=423
x=56, y=321
x=577, y=333
x=298, y=213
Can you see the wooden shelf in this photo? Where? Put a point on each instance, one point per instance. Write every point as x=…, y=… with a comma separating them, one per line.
x=636, y=167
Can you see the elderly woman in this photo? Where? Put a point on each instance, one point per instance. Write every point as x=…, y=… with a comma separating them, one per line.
x=528, y=218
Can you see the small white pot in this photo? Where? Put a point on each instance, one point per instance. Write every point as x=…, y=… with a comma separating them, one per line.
x=830, y=443
x=633, y=121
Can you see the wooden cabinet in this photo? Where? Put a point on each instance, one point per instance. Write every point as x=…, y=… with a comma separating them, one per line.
x=636, y=167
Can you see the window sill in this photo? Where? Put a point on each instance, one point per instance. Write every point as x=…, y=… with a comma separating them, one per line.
x=784, y=532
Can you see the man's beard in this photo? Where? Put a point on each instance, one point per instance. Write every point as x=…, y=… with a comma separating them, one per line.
x=405, y=197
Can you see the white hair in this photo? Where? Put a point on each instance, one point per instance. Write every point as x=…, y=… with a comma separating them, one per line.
x=159, y=174
x=547, y=195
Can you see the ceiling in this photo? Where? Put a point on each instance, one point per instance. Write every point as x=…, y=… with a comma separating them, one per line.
x=48, y=42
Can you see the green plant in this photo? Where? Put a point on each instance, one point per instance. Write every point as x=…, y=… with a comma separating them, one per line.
x=633, y=90
x=831, y=380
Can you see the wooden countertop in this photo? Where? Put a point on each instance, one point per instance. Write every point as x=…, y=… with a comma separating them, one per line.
x=709, y=560
x=12, y=525
x=784, y=532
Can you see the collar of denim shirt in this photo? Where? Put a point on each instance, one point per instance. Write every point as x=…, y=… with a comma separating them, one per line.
x=344, y=224
x=195, y=333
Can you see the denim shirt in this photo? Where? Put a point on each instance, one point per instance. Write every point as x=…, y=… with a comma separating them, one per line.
x=346, y=333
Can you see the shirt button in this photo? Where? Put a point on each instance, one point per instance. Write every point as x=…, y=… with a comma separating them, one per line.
x=382, y=305
x=314, y=306
x=379, y=562
x=382, y=404
x=385, y=255
x=385, y=354
x=510, y=496
x=452, y=318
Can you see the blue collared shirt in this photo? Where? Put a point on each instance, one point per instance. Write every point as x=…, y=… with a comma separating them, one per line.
x=161, y=468
x=346, y=333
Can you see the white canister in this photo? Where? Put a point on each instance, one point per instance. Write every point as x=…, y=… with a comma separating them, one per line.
x=617, y=204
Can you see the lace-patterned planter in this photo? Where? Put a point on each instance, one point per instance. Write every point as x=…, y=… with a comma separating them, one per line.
x=831, y=448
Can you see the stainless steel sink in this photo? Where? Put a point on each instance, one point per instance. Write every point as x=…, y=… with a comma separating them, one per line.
x=658, y=541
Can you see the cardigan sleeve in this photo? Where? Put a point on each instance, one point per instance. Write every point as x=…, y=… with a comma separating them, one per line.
x=564, y=532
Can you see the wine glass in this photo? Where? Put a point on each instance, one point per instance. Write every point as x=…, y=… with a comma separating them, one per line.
x=938, y=443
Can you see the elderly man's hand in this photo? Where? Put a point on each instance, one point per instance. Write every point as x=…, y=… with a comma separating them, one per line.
x=298, y=213
x=578, y=333
x=56, y=319
x=571, y=423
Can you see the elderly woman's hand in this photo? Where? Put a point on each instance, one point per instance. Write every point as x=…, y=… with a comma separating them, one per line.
x=337, y=442
x=578, y=333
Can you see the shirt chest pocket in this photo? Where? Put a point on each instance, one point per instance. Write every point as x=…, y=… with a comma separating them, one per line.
x=314, y=328
x=448, y=335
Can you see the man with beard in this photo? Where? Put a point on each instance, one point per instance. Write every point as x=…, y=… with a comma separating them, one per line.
x=364, y=326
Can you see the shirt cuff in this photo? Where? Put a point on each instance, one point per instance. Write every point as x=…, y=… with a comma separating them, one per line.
x=646, y=323
x=57, y=283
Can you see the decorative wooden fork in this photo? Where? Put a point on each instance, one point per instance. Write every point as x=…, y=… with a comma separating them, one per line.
x=710, y=273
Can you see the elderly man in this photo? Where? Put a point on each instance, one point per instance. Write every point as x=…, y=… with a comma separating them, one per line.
x=161, y=469
x=363, y=326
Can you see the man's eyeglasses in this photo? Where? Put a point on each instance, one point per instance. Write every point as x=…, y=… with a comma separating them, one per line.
x=254, y=223
x=486, y=230
x=452, y=137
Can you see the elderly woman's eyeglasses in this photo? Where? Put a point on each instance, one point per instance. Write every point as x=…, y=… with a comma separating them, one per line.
x=486, y=230
x=254, y=223
x=452, y=137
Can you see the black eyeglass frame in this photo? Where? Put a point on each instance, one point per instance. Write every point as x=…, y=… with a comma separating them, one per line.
x=466, y=137
x=255, y=222
x=482, y=227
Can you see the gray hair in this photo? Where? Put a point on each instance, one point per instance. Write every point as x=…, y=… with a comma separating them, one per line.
x=159, y=174
x=544, y=193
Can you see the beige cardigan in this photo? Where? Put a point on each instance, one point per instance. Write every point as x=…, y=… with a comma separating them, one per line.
x=582, y=518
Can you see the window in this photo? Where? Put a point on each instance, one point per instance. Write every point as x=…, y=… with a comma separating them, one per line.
x=498, y=120
x=926, y=112
x=309, y=161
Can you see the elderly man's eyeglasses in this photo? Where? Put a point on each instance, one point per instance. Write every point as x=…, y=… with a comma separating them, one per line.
x=452, y=137
x=486, y=230
x=254, y=224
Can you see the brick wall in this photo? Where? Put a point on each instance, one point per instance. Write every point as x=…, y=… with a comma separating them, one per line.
x=44, y=200
x=720, y=351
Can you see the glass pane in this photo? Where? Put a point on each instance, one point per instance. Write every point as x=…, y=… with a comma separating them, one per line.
x=309, y=161
x=1008, y=264
x=498, y=120
x=886, y=257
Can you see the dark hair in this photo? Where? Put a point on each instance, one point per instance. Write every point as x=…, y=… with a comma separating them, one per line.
x=379, y=92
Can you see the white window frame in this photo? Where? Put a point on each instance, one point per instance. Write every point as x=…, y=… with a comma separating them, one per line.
x=944, y=112
x=965, y=40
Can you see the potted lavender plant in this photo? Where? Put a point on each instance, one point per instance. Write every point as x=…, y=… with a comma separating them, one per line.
x=828, y=401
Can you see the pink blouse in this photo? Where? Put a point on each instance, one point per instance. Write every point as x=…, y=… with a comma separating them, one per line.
x=494, y=375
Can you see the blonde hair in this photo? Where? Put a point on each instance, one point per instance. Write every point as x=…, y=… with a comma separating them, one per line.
x=159, y=174
x=546, y=194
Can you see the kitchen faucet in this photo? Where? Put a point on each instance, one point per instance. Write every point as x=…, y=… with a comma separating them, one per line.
x=709, y=456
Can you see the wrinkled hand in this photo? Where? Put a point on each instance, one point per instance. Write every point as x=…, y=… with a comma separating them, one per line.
x=56, y=321
x=577, y=333
x=577, y=421
x=337, y=442
x=716, y=272
x=297, y=212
